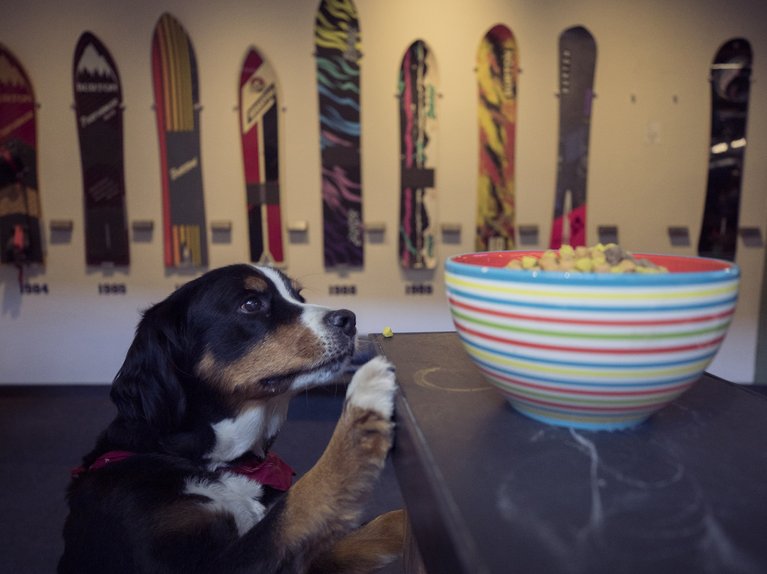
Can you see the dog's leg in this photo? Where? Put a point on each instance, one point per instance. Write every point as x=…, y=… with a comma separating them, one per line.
x=367, y=549
x=327, y=501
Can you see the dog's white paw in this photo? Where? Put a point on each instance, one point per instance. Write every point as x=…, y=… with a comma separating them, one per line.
x=373, y=387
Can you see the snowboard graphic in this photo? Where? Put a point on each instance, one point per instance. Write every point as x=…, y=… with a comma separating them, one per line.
x=577, y=60
x=730, y=85
x=99, y=115
x=176, y=96
x=497, y=65
x=418, y=126
x=260, y=137
x=337, y=44
x=20, y=234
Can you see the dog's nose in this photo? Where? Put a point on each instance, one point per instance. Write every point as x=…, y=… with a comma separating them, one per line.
x=342, y=319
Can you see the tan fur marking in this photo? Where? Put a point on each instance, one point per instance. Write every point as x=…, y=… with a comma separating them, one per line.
x=328, y=499
x=185, y=516
x=292, y=348
x=373, y=546
x=255, y=283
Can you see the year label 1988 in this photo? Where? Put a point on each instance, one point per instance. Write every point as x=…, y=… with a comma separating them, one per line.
x=342, y=290
x=112, y=289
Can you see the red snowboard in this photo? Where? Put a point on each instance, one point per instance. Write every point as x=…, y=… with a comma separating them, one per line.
x=20, y=236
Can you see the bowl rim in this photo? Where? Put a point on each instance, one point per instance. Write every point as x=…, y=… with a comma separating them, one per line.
x=721, y=270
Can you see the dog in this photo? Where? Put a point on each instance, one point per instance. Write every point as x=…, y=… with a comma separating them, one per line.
x=183, y=479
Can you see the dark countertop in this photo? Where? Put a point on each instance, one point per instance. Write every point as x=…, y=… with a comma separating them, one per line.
x=489, y=490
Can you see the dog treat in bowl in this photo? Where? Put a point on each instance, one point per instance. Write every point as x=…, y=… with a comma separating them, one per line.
x=589, y=349
x=610, y=258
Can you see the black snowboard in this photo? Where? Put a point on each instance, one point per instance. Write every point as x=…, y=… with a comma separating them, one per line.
x=730, y=84
x=577, y=61
x=98, y=106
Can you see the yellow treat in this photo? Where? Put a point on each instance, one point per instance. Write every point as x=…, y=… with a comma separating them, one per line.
x=566, y=251
x=627, y=265
x=584, y=264
x=599, y=260
x=549, y=264
x=387, y=332
x=567, y=264
x=529, y=262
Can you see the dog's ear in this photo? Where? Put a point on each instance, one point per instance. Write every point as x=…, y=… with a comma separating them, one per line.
x=147, y=388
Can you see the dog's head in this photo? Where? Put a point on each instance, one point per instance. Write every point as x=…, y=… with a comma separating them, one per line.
x=229, y=343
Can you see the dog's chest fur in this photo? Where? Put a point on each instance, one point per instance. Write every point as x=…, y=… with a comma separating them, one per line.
x=232, y=494
x=252, y=430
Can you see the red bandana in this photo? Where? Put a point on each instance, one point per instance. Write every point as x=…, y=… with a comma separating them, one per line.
x=270, y=471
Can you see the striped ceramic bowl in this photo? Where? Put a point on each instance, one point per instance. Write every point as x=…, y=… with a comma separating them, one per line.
x=591, y=350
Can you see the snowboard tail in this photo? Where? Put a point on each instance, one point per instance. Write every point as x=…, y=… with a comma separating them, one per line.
x=418, y=127
x=259, y=129
x=730, y=87
x=99, y=115
x=337, y=52
x=177, y=108
x=497, y=65
x=577, y=61
x=20, y=212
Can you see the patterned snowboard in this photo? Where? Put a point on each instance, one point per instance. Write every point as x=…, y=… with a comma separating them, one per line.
x=497, y=65
x=260, y=148
x=20, y=234
x=99, y=114
x=176, y=95
x=418, y=127
x=577, y=61
x=730, y=86
x=337, y=44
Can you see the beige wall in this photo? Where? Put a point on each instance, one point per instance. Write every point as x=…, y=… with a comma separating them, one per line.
x=657, y=51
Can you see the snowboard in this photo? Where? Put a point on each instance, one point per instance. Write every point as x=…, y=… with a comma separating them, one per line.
x=177, y=107
x=259, y=129
x=497, y=65
x=577, y=61
x=99, y=115
x=20, y=214
x=337, y=53
x=730, y=85
x=418, y=129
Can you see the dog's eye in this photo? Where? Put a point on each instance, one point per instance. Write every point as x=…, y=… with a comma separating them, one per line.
x=252, y=305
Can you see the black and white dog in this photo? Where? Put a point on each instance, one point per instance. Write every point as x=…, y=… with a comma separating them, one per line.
x=183, y=480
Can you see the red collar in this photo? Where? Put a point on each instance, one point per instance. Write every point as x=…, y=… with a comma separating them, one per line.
x=270, y=471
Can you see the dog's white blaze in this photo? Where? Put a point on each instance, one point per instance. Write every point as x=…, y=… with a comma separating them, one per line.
x=279, y=282
x=373, y=386
x=313, y=316
x=233, y=494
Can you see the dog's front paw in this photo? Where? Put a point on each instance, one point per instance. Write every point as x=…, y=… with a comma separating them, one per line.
x=373, y=387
